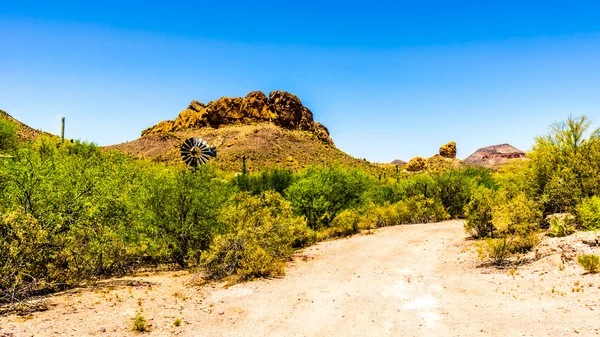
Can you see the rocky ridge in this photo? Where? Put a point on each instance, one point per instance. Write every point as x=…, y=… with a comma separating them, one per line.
x=280, y=108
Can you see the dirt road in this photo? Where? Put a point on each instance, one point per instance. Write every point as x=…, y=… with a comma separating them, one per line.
x=419, y=280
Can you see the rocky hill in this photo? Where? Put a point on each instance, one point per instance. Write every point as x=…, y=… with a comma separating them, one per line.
x=280, y=108
x=275, y=131
x=25, y=132
x=494, y=156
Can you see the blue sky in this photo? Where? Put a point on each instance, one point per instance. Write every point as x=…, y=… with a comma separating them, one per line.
x=389, y=79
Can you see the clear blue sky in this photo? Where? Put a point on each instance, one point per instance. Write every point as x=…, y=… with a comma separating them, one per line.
x=389, y=79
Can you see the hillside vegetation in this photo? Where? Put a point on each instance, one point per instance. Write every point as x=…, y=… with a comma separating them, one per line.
x=72, y=212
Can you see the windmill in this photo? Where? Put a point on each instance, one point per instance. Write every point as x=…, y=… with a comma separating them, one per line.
x=196, y=152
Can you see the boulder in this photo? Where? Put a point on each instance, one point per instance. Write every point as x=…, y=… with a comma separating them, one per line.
x=417, y=164
x=448, y=150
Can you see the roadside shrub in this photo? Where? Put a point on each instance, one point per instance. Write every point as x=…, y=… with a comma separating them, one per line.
x=588, y=213
x=184, y=209
x=322, y=193
x=262, y=234
x=479, y=213
x=497, y=251
x=345, y=224
x=522, y=243
x=589, y=262
x=419, y=209
x=516, y=216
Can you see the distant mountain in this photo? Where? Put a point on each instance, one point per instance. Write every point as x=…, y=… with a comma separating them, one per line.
x=398, y=162
x=273, y=131
x=494, y=156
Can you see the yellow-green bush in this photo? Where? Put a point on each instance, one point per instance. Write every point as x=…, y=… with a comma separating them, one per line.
x=497, y=251
x=561, y=225
x=588, y=212
x=262, y=235
x=589, y=262
x=516, y=216
x=479, y=213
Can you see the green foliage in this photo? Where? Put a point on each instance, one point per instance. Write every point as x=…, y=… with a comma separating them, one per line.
x=345, y=224
x=479, y=213
x=139, y=323
x=321, y=194
x=274, y=179
x=561, y=226
x=589, y=262
x=588, y=212
x=8, y=135
x=515, y=216
x=262, y=235
x=184, y=209
x=497, y=251
x=565, y=165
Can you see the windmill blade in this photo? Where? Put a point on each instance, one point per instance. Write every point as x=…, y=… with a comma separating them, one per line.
x=196, y=152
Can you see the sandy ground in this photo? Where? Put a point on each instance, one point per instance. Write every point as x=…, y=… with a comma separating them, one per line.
x=420, y=280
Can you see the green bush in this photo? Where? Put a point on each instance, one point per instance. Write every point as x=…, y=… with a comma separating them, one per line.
x=479, y=213
x=565, y=165
x=184, y=210
x=516, y=216
x=523, y=243
x=274, y=179
x=561, y=226
x=261, y=237
x=322, y=193
x=497, y=251
x=589, y=262
x=589, y=213
x=8, y=135
x=347, y=223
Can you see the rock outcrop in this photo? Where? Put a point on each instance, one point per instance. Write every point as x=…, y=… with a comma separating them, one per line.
x=281, y=108
x=448, y=150
x=493, y=156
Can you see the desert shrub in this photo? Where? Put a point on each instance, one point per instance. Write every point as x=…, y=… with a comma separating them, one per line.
x=560, y=226
x=565, y=165
x=419, y=209
x=478, y=213
x=262, y=234
x=417, y=164
x=589, y=262
x=69, y=213
x=516, y=216
x=497, y=251
x=387, y=215
x=274, y=179
x=322, y=193
x=139, y=323
x=346, y=223
x=523, y=243
x=184, y=209
x=588, y=213
x=8, y=135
